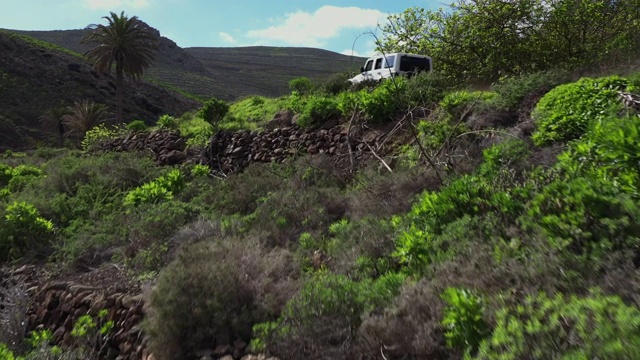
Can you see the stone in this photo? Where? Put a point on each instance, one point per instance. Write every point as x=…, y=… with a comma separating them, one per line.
x=58, y=335
x=222, y=350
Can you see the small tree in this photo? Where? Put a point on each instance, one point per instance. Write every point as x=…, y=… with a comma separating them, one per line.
x=301, y=85
x=213, y=111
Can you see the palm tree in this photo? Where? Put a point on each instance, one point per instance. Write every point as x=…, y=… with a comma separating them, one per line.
x=83, y=116
x=125, y=41
x=53, y=121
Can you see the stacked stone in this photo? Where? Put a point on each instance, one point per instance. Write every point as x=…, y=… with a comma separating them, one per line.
x=229, y=152
x=59, y=305
x=167, y=147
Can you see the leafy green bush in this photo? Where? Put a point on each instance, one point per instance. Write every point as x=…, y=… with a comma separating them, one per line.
x=609, y=151
x=196, y=130
x=586, y=217
x=137, y=125
x=317, y=110
x=325, y=315
x=16, y=178
x=463, y=319
x=213, y=111
x=426, y=88
x=301, y=85
x=512, y=91
x=252, y=112
x=200, y=170
x=335, y=84
x=167, y=122
x=565, y=112
x=457, y=103
x=437, y=133
x=376, y=105
x=98, y=134
x=162, y=188
x=24, y=230
x=471, y=195
x=565, y=327
x=380, y=104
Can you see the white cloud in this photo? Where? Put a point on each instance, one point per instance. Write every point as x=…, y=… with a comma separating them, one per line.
x=112, y=4
x=313, y=29
x=226, y=37
x=351, y=52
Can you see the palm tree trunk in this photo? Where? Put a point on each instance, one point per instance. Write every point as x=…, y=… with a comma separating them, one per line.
x=119, y=94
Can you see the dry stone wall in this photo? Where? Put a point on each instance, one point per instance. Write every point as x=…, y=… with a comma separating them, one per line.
x=232, y=151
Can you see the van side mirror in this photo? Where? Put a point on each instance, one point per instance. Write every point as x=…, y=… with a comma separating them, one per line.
x=362, y=69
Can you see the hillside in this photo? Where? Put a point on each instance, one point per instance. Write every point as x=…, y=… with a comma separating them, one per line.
x=225, y=73
x=37, y=77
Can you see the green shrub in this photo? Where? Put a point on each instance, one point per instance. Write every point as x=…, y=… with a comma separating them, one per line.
x=382, y=103
x=196, y=130
x=317, y=110
x=565, y=112
x=458, y=103
x=213, y=111
x=512, y=91
x=469, y=195
x=24, y=230
x=137, y=125
x=335, y=84
x=98, y=134
x=162, y=188
x=565, y=327
x=16, y=178
x=376, y=105
x=586, y=217
x=167, y=122
x=5, y=353
x=301, y=85
x=463, y=319
x=324, y=316
x=200, y=300
x=252, y=112
x=199, y=170
x=610, y=151
x=437, y=133
x=426, y=88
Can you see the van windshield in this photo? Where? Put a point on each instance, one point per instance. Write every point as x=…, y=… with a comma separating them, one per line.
x=368, y=65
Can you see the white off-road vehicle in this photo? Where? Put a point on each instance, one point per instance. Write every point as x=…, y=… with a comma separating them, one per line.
x=385, y=66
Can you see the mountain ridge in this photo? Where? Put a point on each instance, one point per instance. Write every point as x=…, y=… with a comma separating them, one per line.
x=228, y=73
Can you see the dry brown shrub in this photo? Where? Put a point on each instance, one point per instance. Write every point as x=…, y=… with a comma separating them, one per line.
x=382, y=194
x=408, y=329
x=214, y=292
x=14, y=304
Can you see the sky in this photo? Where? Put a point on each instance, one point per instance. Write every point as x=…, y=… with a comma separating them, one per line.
x=341, y=26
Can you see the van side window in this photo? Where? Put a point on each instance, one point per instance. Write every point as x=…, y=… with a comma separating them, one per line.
x=368, y=65
x=390, y=61
x=413, y=64
x=378, y=63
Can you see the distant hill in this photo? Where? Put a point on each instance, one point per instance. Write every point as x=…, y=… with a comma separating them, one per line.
x=223, y=72
x=35, y=77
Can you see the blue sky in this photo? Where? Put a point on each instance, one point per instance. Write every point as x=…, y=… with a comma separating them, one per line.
x=331, y=25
